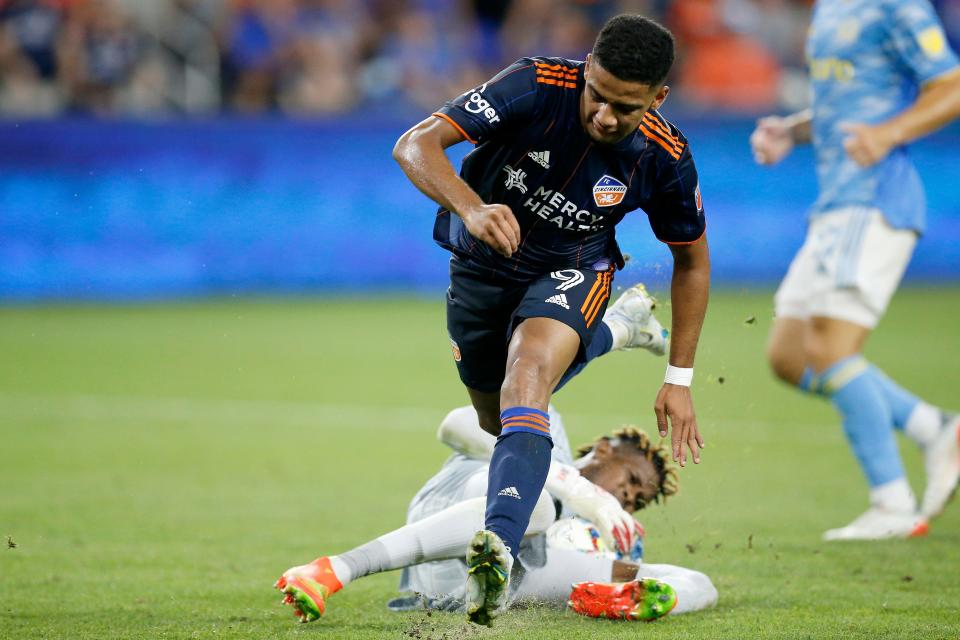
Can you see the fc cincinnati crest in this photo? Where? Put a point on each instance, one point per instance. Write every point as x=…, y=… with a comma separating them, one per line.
x=608, y=192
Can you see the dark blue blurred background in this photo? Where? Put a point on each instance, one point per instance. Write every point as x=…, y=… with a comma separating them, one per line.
x=107, y=209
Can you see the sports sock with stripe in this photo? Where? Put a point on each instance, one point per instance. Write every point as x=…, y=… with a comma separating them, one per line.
x=518, y=470
x=867, y=420
x=908, y=413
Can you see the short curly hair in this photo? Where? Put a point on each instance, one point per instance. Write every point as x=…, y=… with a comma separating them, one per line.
x=659, y=455
x=635, y=49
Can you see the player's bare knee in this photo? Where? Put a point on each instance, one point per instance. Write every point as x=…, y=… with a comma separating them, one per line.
x=785, y=362
x=783, y=366
x=526, y=383
x=817, y=352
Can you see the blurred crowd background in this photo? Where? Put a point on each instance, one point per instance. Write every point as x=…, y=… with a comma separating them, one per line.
x=319, y=57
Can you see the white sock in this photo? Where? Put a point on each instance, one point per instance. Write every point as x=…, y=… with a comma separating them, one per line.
x=923, y=425
x=342, y=569
x=620, y=333
x=895, y=495
x=442, y=536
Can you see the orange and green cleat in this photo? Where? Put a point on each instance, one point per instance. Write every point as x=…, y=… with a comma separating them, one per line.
x=307, y=587
x=643, y=599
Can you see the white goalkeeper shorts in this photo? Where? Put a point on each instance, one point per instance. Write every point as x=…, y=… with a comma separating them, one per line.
x=848, y=268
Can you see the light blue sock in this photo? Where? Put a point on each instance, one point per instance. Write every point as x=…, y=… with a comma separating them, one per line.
x=867, y=418
x=902, y=402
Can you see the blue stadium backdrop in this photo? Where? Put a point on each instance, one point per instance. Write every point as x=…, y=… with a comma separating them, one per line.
x=138, y=210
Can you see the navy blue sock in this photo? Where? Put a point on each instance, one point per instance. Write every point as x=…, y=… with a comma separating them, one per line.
x=602, y=343
x=518, y=470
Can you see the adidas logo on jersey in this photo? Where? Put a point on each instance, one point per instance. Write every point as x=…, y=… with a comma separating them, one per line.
x=510, y=491
x=560, y=299
x=541, y=157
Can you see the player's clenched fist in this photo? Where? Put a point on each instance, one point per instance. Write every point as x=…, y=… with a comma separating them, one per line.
x=495, y=225
x=866, y=145
x=772, y=140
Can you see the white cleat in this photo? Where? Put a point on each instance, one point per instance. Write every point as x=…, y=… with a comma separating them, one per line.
x=633, y=311
x=877, y=523
x=488, y=577
x=942, y=462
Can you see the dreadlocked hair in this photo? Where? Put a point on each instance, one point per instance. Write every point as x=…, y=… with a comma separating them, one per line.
x=659, y=455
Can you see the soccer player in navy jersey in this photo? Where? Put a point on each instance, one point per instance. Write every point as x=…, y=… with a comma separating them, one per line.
x=564, y=151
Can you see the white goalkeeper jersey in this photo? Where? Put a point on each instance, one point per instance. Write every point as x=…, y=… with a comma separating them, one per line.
x=447, y=488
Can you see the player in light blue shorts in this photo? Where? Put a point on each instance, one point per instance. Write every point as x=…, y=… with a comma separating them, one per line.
x=882, y=75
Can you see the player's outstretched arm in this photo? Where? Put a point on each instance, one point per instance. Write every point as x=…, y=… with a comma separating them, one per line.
x=420, y=153
x=689, y=292
x=937, y=105
x=775, y=136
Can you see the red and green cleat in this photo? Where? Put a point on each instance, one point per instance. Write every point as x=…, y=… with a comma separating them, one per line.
x=643, y=599
x=307, y=587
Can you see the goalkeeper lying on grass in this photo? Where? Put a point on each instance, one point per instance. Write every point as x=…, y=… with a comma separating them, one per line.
x=581, y=532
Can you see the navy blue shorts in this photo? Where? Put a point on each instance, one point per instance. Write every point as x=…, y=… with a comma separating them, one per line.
x=482, y=313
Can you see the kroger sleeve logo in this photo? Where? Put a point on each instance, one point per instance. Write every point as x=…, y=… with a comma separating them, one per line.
x=476, y=103
x=608, y=191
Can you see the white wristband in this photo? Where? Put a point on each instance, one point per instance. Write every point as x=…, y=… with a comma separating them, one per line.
x=678, y=375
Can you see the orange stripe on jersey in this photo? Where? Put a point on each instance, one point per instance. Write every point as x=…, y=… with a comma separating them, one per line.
x=565, y=85
x=664, y=133
x=556, y=74
x=668, y=147
x=593, y=291
x=657, y=124
x=455, y=126
x=555, y=67
x=659, y=130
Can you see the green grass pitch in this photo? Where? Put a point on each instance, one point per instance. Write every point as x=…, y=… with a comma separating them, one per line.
x=160, y=465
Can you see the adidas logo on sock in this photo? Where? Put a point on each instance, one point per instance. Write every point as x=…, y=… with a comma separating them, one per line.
x=510, y=491
x=541, y=157
x=560, y=299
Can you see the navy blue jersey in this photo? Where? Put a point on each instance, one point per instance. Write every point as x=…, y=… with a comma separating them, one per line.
x=566, y=190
